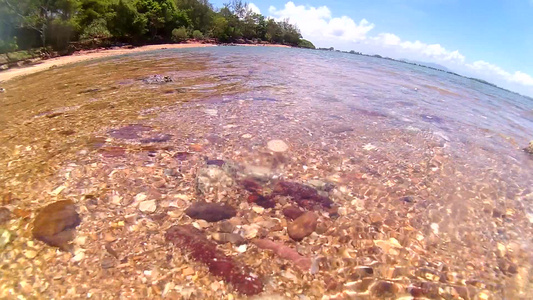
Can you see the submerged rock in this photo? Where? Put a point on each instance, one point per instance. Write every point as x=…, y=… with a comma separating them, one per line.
x=212, y=178
x=5, y=237
x=303, y=226
x=202, y=250
x=529, y=148
x=277, y=146
x=129, y=132
x=157, y=79
x=55, y=224
x=265, y=202
x=292, y=212
x=304, y=195
x=211, y=212
x=5, y=215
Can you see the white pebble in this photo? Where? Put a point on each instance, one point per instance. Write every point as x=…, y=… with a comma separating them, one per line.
x=277, y=146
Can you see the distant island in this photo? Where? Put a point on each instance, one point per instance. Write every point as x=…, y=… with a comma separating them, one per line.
x=35, y=28
x=432, y=66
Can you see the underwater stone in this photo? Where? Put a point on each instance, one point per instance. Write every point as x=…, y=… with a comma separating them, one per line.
x=277, y=146
x=303, y=226
x=212, y=179
x=529, y=148
x=55, y=224
x=265, y=202
x=292, y=212
x=202, y=250
x=285, y=252
x=5, y=215
x=211, y=212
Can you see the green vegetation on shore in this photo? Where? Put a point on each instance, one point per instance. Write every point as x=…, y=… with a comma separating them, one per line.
x=60, y=24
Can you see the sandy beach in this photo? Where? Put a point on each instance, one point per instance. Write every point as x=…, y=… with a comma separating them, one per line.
x=99, y=53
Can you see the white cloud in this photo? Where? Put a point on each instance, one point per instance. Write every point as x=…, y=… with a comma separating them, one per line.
x=483, y=67
x=319, y=26
x=256, y=9
x=317, y=23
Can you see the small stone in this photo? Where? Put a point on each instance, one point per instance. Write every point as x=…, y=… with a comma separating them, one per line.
x=242, y=248
x=5, y=237
x=246, y=136
x=277, y=146
x=5, y=215
x=226, y=226
x=375, y=218
x=148, y=206
x=30, y=254
x=303, y=226
x=188, y=271
x=258, y=209
x=212, y=178
x=107, y=262
x=211, y=212
x=222, y=237
x=211, y=112
x=56, y=223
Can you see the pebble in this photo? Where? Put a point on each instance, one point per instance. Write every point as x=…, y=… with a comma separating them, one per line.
x=277, y=146
x=148, y=206
x=303, y=226
x=5, y=237
x=211, y=112
x=30, y=254
x=211, y=212
x=187, y=271
x=246, y=136
x=5, y=215
x=258, y=209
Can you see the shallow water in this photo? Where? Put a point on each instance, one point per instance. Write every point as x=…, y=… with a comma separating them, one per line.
x=432, y=188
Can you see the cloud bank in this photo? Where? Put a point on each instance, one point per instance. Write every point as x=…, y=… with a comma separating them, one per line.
x=322, y=28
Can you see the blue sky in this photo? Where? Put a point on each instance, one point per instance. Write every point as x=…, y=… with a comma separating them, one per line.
x=489, y=39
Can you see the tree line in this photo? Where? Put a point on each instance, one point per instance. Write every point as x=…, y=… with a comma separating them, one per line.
x=26, y=24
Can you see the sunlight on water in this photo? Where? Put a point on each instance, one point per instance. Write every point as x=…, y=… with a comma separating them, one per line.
x=430, y=190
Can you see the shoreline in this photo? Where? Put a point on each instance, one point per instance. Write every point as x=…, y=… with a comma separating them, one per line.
x=86, y=55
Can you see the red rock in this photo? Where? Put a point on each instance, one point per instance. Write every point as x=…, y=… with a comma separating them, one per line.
x=202, y=250
x=305, y=196
x=262, y=201
x=292, y=212
x=303, y=226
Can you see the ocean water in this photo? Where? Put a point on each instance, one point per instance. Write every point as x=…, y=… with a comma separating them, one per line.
x=431, y=188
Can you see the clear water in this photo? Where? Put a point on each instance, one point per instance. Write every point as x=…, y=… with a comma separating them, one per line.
x=433, y=187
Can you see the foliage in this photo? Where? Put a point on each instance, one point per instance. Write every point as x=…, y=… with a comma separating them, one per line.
x=28, y=24
x=197, y=35
x=306, y=44
x=97, y=29
x=179, y=34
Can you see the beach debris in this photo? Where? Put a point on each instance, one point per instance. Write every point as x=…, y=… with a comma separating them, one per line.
x=306, y=196
x=157, y=79
x=202, y=250
x=303, y=226
x=211, y=212
x=285, y=252
x=292, y=212
x=277, y=146
x=5, y=215
x=212, y=178
x=529, y=148
x=56, y=223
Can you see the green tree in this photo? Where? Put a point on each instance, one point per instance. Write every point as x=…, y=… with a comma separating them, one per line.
x=125, y=21
x=179, y=34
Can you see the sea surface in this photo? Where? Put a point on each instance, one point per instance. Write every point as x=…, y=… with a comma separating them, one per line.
x=432, y=190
